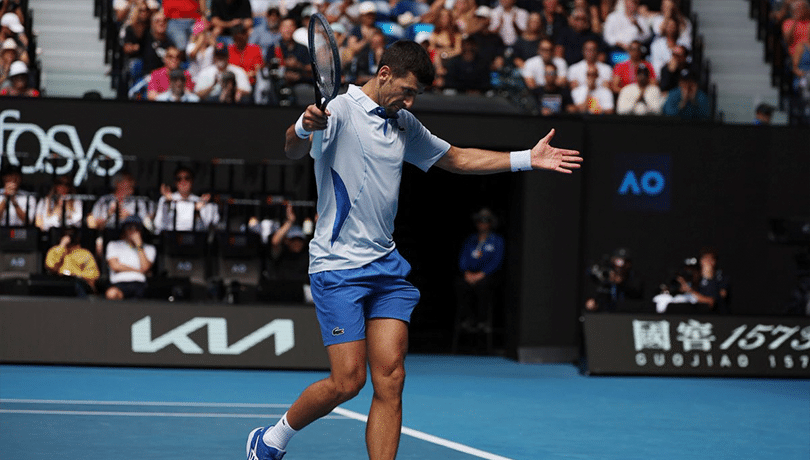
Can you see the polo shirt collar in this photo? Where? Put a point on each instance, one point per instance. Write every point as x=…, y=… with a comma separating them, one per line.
x=356, y=93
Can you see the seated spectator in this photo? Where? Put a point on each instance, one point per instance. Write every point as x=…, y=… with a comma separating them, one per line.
x=8, y=55
x=182, y=210
x=534, y=72
x=763, y=114
x=616, y=283
x=797, y=29
x=129, y=260
x=366, y=62
x=11, y=27
x=641, y=97
x=671, y=72
x=491, y=48
x=243, y=54
x=211, y=80
x=57, y=208
x=466, y=18
x=572, y=39
x=662, y=47
x=624, y=27
x=137, y=39
x=702, y=283
x=70, y=259
x=18, y=74
x=577, y=73
x=266, y=34
x=200, y=50
x=555, y=19
x=157, y=46
x=467, y=72
x=289, y=254
x=293, y=55
x=671, y=11
x=112, y=209
x=227, y=13
x=17, y=207
x=508, y=21
x=181, y=16
x=625, y=73
x=159, y=79
x=344, y=12
x=178, y=90
x=591, y=97
x=360, y=34
x=526, y=46
x=551, y=98
x=445, y=39
x=687, y=101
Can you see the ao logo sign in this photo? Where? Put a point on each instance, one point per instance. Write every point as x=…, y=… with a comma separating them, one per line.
x=73, y=154
x=649, y=183
x=142, y=342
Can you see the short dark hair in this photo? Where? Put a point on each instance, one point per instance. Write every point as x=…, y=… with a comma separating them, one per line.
x=405, y=56
x=183, y=168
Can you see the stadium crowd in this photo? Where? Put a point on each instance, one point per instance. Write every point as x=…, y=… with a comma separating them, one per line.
x=581, y=56
x=15, y=43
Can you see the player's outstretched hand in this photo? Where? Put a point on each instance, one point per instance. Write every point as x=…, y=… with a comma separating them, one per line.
x=544, y=156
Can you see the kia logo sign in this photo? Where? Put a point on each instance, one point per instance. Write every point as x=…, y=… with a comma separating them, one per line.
x=72, y=154
x=142, y=341
x=642, y=182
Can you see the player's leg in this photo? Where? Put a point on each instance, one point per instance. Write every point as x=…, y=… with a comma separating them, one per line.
x=346, y=379
x=387, y=344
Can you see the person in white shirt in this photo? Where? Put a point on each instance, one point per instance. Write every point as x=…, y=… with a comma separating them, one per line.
x=591, y=97
x=17, y=207
x=577, y=73
x=508, y=21
x=129, y=261
x=57, y=208
x=209, y=81
x=640, y=97
x=621, y=28
x=534, y=69
x=182, y=210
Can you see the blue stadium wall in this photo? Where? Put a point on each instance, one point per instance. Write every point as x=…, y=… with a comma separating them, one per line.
x=660, y=187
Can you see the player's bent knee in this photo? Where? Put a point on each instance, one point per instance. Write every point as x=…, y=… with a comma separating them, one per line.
x=389, y=385
x=347, y=387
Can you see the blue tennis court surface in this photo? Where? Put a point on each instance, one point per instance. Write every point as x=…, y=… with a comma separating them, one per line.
x=455, y=408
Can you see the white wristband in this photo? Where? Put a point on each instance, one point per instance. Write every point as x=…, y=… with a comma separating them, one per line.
x=299, y=128
x=521, y=161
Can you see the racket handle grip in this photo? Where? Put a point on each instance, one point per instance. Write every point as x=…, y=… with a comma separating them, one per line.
x=317, y=145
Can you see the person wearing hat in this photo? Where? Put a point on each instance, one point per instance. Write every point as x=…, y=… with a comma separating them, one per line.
x=211, y=79
x=615, y=281
x=129, y=260
x=160, y=80
x=641, y=97
x=479, y=262
x=17, y=207
x=8, y=54
x=18, y=74
x=687, y=101
x=360, y=35
x=178, y=92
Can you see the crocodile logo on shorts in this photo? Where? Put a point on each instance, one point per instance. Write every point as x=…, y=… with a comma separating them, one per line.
x=337, y=331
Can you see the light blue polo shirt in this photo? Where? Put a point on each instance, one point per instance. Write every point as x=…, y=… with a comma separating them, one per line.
x=358, y=179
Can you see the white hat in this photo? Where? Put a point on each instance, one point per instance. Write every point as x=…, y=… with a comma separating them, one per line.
x=301, y=36
x=483, y=11
x=422, y=36
x=338, y=28
x=367, y=7
x=9, y=44
x=17, y=68
x=11, y=21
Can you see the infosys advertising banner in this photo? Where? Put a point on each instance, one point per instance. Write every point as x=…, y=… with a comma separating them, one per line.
x=698, y=345
x=77, y=331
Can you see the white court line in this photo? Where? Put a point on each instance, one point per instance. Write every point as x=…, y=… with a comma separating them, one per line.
x=147, y=414
x=427, y=437
x=341, y=412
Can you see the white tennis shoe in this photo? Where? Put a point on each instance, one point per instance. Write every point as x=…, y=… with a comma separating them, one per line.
x=256, y=448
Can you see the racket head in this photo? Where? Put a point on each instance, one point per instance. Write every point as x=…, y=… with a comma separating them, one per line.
x=325, y=59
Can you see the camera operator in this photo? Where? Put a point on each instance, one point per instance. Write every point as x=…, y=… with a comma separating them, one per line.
x=700, y=284
x=616, y=282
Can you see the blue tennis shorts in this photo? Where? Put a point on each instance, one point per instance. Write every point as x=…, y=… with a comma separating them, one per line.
x=345, y=299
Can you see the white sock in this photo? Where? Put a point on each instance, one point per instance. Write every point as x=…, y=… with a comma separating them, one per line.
x=279, y=435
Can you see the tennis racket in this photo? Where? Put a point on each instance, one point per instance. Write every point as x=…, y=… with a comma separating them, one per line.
x=325, y=61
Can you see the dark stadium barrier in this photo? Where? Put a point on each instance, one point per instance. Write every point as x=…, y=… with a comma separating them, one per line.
x=150, y=333
x=698, y=345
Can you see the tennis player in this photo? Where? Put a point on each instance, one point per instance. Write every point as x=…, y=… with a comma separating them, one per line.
x=362, y=298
